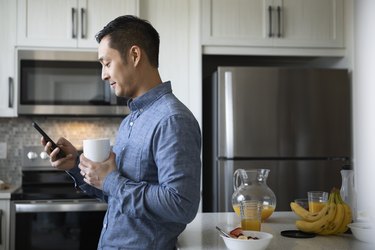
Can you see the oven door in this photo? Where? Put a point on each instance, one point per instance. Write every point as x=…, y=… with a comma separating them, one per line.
x=58, y=224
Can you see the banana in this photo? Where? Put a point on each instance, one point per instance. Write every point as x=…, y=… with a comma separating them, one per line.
x=334, y=225
x=319, y=225
x=306, y=215
x=347, y=217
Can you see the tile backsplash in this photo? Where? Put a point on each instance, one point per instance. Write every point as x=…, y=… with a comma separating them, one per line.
x=18, y=132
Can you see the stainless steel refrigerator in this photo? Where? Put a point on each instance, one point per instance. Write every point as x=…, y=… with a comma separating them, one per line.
x=294, y=121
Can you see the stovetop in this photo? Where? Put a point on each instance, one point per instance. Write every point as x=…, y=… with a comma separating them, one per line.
x=52, y=192
x=47, y=185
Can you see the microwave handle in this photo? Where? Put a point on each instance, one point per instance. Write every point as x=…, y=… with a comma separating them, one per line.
x=11, y=92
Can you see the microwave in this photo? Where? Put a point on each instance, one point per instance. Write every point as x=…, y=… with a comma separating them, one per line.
x=63, y=83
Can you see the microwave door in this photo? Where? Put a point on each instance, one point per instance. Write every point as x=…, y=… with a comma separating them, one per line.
x=64, y=83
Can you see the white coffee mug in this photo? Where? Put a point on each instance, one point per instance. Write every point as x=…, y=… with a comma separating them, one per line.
x=96, y=150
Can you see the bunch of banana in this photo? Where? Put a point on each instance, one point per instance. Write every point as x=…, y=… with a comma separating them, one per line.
x=332, y=219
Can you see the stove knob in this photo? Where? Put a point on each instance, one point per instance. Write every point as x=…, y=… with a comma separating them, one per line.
x=32, y=155
x=44, y=155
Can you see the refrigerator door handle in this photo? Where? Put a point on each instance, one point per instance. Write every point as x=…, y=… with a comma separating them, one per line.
x=229, y=121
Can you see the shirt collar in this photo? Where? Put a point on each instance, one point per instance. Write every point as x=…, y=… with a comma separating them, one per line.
x=143, y=101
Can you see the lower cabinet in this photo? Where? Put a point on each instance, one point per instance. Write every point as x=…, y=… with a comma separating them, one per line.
x=4, y=224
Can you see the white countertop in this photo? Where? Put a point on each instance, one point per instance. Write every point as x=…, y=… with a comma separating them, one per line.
x=201, y=234
x=5, y=193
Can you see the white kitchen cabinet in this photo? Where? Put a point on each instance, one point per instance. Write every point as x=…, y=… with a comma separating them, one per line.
x=7, y=66
x=180, y=53
x=235, y=22
x=273, y=23
x=4, y=220
x=67, y=23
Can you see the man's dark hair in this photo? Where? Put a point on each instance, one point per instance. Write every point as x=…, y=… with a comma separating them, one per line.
x=126, y=31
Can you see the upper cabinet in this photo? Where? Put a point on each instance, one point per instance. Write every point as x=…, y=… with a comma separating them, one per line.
x=67, y=23
x=7, y=66
x=297, y=24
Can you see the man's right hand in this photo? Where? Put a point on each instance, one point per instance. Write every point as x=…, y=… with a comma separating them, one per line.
x=66, y=163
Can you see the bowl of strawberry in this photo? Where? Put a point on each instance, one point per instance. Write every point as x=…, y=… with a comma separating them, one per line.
x=244, y=240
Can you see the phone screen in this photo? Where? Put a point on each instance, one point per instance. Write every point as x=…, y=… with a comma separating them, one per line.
x=61, y=154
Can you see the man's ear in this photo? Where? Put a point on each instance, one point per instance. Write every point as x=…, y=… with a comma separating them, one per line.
x=135, y=54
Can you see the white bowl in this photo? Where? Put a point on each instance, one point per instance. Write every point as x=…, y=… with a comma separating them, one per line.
x=363, y=231
x=260, y=244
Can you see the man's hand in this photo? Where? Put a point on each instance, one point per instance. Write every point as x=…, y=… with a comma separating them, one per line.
x=94, y=173
x=65, y=163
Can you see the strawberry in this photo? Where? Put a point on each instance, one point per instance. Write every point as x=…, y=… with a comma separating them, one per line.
x=236, y=232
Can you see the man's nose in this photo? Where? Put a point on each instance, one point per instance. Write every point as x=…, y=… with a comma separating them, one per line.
x=105, y=75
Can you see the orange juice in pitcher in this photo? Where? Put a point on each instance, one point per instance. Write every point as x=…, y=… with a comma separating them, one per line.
x=267, y=211
x=252, y=185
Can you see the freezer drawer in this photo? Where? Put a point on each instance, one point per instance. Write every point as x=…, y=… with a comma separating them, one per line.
x=288, y=179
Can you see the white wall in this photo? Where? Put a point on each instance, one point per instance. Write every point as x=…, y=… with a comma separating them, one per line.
x=364, y=104
x=178, y=25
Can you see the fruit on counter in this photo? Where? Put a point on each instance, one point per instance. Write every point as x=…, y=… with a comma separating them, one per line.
x=348, y=217
x=319, y=225
x=307, y=215
x=332, y=219
x=238, y=234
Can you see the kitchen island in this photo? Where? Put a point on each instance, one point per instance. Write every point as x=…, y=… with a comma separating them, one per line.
x=201, y=234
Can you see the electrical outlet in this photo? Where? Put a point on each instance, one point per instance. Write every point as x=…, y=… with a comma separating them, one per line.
x=3, y=150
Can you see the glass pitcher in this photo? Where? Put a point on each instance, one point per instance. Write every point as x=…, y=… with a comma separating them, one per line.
x=252, y=185
x=347, y=190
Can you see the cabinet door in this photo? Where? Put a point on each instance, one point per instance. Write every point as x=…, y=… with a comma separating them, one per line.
x=7, y=44
x=47, y=23
x=236, y=22
x=95, y=14
x=306, y=23
x=4, y=218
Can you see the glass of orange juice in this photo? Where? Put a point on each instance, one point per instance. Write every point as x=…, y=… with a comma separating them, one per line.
x=251, y=215
x=317, y=200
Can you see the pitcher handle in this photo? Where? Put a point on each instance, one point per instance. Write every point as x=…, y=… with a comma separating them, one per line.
x=236, y=179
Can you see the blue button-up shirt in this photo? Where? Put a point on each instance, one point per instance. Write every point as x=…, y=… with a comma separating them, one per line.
x=155, y=191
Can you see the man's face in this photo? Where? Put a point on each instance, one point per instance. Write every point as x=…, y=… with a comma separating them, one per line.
x=119, y=74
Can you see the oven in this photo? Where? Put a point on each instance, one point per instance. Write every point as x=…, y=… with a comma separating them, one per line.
x=48, y=212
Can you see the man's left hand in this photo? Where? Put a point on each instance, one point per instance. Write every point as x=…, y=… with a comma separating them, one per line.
x=94, y=173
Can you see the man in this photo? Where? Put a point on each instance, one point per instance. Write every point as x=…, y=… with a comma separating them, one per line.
x=151, y=180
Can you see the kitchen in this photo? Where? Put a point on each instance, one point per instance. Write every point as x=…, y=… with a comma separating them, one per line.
x=180, y=25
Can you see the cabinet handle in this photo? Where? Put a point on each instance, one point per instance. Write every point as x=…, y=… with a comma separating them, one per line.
x=270, y=21
x=278, y=21
x=11, y=92
x=83, y=23
x=1, y=226
x=74, y=23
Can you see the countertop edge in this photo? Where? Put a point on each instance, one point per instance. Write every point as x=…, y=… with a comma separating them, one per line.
x=6, y=193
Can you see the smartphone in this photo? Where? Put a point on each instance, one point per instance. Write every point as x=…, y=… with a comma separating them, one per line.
x=61, y=154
